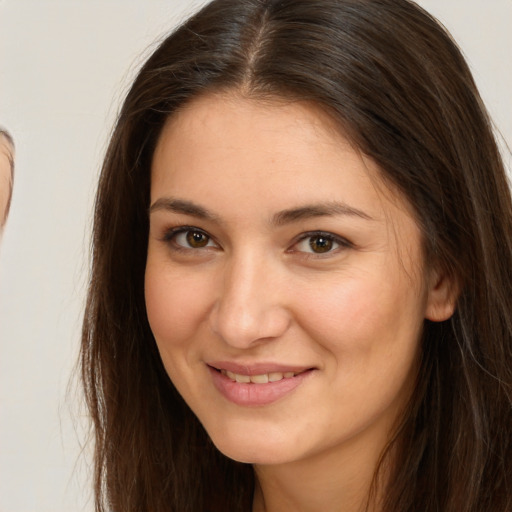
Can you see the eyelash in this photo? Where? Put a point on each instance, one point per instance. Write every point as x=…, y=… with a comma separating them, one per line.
x=342, y=243
x=171, y=235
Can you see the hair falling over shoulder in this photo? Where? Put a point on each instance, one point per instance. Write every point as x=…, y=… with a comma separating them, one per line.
x=397, y=84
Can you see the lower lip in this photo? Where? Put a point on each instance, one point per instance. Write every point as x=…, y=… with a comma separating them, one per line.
x=253, y=395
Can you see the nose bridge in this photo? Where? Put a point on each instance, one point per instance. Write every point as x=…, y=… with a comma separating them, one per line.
x=251, y=303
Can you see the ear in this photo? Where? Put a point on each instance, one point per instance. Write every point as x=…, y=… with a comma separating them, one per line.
x=442, y=297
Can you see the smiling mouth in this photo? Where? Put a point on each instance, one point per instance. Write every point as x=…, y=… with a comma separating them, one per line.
x=263, y=378
x=258, y=384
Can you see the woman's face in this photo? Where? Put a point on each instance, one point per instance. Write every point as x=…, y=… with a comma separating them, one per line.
x=284, y=286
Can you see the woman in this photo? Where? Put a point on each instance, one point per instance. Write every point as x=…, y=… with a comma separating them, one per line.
x=300, y=293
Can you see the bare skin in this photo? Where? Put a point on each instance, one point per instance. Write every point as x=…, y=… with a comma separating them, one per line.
x=6, y=155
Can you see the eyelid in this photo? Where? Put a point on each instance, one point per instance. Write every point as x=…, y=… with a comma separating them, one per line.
x=341, y=241
x=171, y=233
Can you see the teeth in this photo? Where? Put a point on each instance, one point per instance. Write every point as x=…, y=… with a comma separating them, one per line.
x=264, y=378
x=259, y=379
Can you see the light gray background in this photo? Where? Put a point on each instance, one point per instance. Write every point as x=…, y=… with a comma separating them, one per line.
x=64, y=68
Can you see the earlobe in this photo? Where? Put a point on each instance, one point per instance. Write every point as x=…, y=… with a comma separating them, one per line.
x=442, y=297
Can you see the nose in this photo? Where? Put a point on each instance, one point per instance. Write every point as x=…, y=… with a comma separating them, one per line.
x=251, y=306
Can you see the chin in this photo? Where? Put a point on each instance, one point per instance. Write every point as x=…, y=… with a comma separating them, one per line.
x=253, y=449
x=250, y=455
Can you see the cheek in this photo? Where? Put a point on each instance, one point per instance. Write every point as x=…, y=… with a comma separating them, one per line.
x=366, y=317
x=368, y=332
x=174, y=306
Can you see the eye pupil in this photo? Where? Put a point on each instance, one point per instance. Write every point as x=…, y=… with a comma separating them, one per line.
x=320, y=244
x=197, y=239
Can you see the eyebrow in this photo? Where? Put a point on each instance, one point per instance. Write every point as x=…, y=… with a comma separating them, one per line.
x=281, y=218
x=317, y=210
x=184, y=207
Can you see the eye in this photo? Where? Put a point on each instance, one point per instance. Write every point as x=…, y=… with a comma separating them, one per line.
x=194, y=239
x=189, y=238
x=320, y=243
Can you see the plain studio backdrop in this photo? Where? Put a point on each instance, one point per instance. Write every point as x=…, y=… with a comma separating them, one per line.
x=65, y=66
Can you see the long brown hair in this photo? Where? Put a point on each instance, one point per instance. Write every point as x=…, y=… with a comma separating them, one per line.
x=399, y=86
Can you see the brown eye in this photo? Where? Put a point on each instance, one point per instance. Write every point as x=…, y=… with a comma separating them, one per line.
x=197, y=239
x=189, y=238
x=320, y=244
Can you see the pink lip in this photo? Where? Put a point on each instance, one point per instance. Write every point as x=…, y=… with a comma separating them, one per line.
x=253, y=395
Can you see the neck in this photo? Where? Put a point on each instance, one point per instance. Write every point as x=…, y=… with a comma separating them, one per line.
x=337, y=479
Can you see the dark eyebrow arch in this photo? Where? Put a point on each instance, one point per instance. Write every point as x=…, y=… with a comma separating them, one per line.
x=186, y=207
x=182, y=206
x=317, y=210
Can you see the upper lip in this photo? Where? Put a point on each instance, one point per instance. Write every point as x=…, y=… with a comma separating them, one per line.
x=256, y=368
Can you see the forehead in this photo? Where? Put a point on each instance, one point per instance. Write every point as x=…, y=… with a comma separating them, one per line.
x=249, y=121
x=289, y=150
